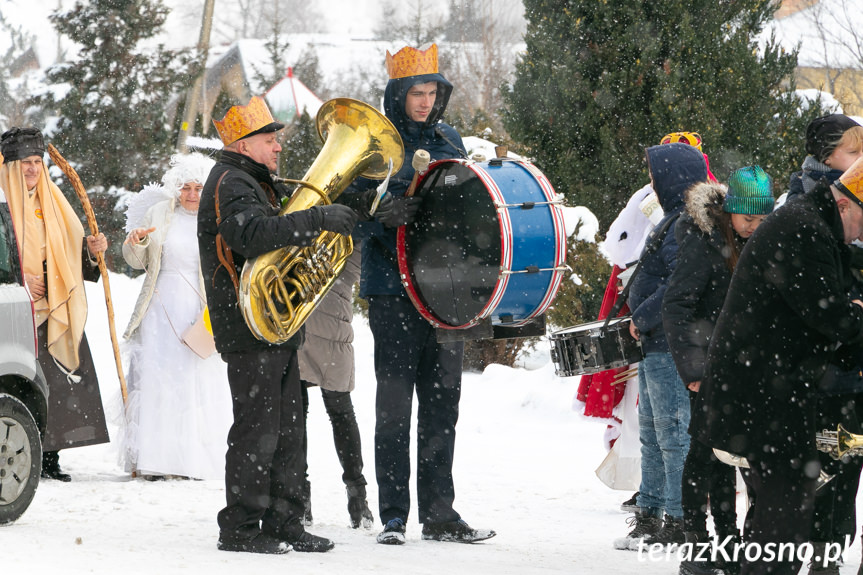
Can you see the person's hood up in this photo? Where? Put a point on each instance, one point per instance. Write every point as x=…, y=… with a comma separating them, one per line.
x=675, y=168
x=394, y=100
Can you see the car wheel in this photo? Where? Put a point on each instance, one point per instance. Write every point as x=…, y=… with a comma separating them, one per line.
x=20, y=458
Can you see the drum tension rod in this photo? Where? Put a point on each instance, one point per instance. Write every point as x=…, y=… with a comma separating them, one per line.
x=527, y=205
x=536, y=270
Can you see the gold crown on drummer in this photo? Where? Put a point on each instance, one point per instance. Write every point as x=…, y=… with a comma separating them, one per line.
x=240, y=121
x=412, y=62
x=851, y=182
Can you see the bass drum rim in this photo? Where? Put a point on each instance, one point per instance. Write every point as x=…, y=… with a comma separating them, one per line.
x=504, y=227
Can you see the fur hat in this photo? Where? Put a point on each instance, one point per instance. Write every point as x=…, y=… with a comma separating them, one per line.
x=749, y=192
x=822, y=134
x=20, y=143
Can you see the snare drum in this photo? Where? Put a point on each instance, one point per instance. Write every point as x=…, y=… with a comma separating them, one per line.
x=488, y=242
x=588, y=348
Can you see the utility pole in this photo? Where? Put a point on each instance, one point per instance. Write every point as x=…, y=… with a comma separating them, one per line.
x=190, y=110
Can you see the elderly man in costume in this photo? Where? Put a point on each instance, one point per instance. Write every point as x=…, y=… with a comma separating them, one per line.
x=408, y=358
x=239, y=219
x=56, y=261
x=786, y=313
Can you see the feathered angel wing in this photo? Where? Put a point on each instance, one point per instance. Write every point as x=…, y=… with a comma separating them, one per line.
x=149, y=196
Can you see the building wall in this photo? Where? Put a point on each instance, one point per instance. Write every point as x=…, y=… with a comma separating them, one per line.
x=791, y=6
x=845, y=85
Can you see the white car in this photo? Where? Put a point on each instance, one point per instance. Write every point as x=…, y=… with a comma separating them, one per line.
x=23, y=391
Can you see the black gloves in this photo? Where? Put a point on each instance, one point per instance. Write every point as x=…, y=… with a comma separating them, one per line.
x=335, y=218
x=385, y=206
x=403, y=212
x=363, y=203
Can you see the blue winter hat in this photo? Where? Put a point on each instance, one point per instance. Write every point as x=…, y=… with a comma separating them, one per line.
x=749, y=192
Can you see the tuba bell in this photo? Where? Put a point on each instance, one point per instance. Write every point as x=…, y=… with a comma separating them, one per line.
x=839, y=443
x=279, y=289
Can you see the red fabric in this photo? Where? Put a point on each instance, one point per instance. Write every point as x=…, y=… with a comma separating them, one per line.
x=710, y=175
x=595, y=391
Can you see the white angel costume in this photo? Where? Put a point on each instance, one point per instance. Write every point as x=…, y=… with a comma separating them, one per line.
x=179, y=405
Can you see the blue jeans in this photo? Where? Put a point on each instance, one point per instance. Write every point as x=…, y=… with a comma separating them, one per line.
x=663, y=420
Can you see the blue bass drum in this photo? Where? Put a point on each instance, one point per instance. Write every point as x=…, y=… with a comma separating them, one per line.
x=488, y=242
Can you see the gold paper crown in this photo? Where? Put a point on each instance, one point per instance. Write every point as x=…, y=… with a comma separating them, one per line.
x=851, y=182
x=691, y=138
x=412, y=62
x=240, y=121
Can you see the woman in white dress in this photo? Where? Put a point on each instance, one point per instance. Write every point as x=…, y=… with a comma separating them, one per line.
x=179, y=404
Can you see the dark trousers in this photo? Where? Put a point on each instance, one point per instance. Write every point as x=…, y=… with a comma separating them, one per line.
x=705, y=478
x=409, y=359
x=346, y=433
x=264, y=462
x=835, y=511
x=783, y=509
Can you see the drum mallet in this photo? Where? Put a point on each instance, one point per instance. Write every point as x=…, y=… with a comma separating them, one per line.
x=420, y=163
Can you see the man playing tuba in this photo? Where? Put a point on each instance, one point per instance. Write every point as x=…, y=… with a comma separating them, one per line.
x=239, y=219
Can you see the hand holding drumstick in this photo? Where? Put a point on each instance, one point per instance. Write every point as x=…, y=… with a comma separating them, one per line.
x=420, y=164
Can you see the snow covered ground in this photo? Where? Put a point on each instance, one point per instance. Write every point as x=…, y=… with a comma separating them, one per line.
x=524, y=467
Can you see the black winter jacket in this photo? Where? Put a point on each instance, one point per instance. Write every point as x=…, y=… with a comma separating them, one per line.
x=380, y=272
x=786, y=310
x=699, y=282
x=251, y=226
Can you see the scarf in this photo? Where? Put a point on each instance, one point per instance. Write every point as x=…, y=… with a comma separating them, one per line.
x=50, y=238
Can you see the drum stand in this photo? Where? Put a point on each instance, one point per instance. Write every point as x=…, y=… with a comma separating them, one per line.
x=534, y=327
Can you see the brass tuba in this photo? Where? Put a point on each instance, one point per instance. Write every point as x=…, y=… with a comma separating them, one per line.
x=279, y=289
x=739, y=461
x=839, y=443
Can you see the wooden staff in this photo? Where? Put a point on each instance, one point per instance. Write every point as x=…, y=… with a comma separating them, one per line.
x=103, y=269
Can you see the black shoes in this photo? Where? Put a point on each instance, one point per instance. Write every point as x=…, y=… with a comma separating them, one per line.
x=260, y=543
x=308, y=543
x=671, y=532
x=820, y=564
x=51, y=467
x=275, y=545
x=631, y=504
x=644, y=528
x=358, y=507
x=393, y=533
x=450, y=531
x=456, y=532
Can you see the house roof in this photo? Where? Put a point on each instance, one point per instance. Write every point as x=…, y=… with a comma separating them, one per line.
x=289, y=97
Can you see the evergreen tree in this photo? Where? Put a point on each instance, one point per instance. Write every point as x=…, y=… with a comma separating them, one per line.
x=600, y=81
x=300, y=148
x=111, y=103
x=112, y=121
x=308, y=69
x=275, y=50
x=462, y=23
x=14, y=90
x=413, y=23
